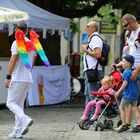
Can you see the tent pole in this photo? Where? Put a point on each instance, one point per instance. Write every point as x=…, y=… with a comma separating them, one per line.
x=68, y=46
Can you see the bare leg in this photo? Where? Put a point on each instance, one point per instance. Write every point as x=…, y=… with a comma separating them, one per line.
x=123, y=115
x=128, y=113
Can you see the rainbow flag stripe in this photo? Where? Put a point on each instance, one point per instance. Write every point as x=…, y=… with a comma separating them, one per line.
x=34, y=38
x=20, y=40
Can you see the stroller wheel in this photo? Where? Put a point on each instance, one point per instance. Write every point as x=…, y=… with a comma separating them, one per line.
x=105, y=122
x=119, y=123
x=101, y=126
x=84, y=125
x=96, y=124
x=109, y=124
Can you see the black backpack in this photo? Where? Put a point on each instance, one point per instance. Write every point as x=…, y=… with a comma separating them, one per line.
x=103, y=60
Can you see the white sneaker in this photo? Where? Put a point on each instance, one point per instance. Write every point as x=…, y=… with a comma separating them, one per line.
x=26, y=123
x=15, y=135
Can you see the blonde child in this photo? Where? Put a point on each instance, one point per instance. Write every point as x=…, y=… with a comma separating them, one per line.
x=129, y=91
x=104, y=92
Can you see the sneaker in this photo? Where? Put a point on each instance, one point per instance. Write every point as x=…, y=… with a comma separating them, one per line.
x=133, y=124
x=136, y=129
x=123, y=128
x=26, y=122
x=84, y=118
x=15, y=135
x=117, y=128
x=25, y=131
x=12, y=135
x=91, y=121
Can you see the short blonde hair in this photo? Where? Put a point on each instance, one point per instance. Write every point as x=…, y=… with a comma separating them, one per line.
x=95, y=24
x=107, y=79
x=129, y=18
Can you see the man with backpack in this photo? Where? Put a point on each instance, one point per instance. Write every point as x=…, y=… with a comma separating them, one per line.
x=92, y=52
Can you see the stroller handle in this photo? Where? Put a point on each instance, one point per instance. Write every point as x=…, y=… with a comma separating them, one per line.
x=114, y=66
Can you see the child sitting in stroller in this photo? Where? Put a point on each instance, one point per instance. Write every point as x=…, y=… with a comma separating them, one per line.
x=102, y=95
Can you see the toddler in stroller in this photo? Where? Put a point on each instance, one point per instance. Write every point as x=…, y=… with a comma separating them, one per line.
x=104, y=96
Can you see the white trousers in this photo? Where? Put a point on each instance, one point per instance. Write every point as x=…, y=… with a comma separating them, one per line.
x=17, y=93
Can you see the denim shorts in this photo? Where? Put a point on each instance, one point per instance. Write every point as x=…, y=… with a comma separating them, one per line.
x=127, y=102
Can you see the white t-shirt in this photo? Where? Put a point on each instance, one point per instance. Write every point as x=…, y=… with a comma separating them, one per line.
x=21, y=73
x=132, y=43
x=91, y=61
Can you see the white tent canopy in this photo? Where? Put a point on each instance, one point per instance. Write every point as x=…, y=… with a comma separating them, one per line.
x=39, y=18
x=9, y=15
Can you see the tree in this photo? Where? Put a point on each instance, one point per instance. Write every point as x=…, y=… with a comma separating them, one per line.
x=81, y=8
x=89, y=8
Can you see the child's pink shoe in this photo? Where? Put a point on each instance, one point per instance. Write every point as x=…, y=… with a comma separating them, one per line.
x=84, y=117
x=94, y=117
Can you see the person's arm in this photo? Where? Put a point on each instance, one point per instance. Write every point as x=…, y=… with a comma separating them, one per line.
x=119, y=65
x=33, y=61
x=11, y=67
x=125, y=82
x=135, y=73
x=95, y=53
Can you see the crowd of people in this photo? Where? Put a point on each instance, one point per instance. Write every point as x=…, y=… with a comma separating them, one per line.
x=19, y=79
x=129, y=90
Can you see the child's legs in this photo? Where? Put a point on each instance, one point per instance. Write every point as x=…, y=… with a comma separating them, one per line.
x=136, y=112
x=98, y=107
x=128, y=112
x=122, y=114
x=88, y=107
x=125, y=111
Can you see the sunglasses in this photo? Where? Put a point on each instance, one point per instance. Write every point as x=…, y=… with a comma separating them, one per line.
x=126, y=24
x=87, y=26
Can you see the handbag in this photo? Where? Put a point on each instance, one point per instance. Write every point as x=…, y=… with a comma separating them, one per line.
x=93, y=75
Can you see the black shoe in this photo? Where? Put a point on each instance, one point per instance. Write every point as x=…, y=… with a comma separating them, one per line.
x=136, y=129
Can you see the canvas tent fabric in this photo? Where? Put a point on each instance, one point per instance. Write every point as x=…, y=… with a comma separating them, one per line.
x=9, y=15
x=39, y=18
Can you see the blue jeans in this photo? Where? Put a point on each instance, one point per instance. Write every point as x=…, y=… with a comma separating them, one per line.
x=89, y=87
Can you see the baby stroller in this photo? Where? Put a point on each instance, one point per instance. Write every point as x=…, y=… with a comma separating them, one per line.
x=107, y=123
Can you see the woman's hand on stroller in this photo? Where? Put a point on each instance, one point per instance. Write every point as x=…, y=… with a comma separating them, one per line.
x=116, y=94
x=113, y=66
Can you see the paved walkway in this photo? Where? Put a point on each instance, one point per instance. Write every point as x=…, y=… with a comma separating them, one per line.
x=59, y=123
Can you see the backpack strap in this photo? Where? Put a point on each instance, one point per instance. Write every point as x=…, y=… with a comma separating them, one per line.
x=91, y=38
x=87, y=64
x=92, y=50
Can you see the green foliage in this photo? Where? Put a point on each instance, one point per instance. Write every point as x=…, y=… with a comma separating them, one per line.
x=107, y=13
x=74, y=26
x=89, y=8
